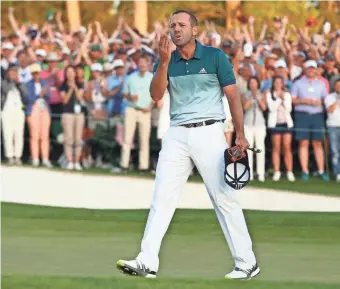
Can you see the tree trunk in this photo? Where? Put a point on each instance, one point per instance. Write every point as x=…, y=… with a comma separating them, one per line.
x=231, y=9
x=141, y=16
x=73, y=14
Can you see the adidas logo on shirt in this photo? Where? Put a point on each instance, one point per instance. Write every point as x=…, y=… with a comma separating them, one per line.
x=203, y=71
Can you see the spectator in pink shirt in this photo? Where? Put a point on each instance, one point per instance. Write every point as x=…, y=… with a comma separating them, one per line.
x=55, y=77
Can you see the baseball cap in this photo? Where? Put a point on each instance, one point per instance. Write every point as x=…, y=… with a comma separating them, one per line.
x=330, y=57
x=41, y=52
x=118, y=63
x=227, y=43
x=300, y=53
x=276, y=46
x=66, y=51
x=35, y=68
x=131, y=51
x=248, y=49
x=311, y=64
x=82, y=29
x=96, y=47
x=13, y=66
x=115, y=41
x=280, y=63
x=107, y=67
x=8, y=45
x=53, y=57
x=96, y=67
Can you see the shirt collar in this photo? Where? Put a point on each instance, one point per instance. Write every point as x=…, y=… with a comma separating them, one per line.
x=197, y=54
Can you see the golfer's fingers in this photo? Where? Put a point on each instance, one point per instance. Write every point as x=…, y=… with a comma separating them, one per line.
x=161, y=42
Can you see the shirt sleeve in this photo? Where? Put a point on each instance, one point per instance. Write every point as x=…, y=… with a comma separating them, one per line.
x=295, y=89
x=63, y=87
x=329, y=100
x=324, y=91
x=126, y=86
x=225, y=73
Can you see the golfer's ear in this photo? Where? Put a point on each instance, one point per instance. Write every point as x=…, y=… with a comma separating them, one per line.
x=195, y=30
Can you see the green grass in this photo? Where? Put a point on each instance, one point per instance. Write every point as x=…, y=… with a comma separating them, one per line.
x=77, y=248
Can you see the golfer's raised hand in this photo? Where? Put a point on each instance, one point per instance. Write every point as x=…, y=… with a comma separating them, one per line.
x=164, y=49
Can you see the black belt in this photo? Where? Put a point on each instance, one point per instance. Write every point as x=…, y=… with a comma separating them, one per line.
x=202, y=123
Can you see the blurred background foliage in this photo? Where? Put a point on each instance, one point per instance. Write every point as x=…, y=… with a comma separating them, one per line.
x=298, y=12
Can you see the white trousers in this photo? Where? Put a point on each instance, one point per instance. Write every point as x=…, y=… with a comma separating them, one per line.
x=182, y=148
x=13, y=125
x=256, y=137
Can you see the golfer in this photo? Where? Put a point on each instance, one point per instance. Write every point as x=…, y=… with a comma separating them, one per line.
x=197, y=77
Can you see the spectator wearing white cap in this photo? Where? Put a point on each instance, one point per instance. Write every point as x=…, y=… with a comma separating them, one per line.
x=38, y=117
x=308, y=94
x=114, y=88
x=40, y=56
x=114, y=46
x=332, y=103
x=136, y=91
x=281, y=69
x=280, y=124
x=73, y=119
x=254, y=104
x=13, y=99
x=8, y=54
x=107, y=69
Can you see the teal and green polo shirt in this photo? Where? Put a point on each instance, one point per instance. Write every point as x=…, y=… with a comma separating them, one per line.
x=196, y=85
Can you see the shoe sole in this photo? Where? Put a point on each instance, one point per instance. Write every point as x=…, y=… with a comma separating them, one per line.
x=253, y=275
x=130, y=271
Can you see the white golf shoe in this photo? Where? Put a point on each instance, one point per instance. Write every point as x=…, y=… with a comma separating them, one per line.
x=135, y=268
x=277, y=176
x=290, y=177
x=242, y=274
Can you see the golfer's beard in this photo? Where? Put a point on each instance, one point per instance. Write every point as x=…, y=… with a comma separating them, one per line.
x=185, y=42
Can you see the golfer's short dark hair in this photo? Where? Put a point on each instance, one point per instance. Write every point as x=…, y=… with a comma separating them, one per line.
x=193, y=19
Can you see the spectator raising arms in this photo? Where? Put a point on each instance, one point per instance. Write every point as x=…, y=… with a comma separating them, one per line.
x=73, y=119
x=254, y=104
x=280, y=123
x=308, y=93
x=38, y=117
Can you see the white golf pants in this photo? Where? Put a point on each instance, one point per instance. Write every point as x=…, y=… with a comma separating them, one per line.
x=181, y=149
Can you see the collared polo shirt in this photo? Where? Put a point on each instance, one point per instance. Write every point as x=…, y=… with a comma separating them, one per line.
x=303, y=88
x=196, y=85
x=139, y=85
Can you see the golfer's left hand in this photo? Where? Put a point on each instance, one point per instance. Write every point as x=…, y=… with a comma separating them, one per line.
x=242, y=142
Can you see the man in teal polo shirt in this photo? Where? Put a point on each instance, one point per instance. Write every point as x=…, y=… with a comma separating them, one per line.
x=138, y=111
x=197, y=77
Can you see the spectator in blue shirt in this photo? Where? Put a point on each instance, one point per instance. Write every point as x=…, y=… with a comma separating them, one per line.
x=114, y=87
x=308, y=94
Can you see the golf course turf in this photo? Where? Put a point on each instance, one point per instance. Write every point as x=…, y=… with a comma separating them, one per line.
x=60, y=248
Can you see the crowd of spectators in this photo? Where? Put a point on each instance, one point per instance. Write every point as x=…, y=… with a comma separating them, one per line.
x=91, y=79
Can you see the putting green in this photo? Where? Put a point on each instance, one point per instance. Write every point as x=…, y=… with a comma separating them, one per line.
x=74, y=248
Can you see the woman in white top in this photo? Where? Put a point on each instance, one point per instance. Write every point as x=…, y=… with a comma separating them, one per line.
x=95, y=96
x=254, y=104
x=280, y=123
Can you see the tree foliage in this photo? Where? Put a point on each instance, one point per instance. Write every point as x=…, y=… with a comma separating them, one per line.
x=297, y=12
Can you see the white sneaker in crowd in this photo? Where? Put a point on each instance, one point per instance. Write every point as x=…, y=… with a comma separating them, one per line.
x=11, y=161
x=277, y=176
x=338, y=178
x=35, y=163
x=70, y=166
x=78, y=167
x=47, y=164
x=261, y=179
x=290, y=177
x=18, y=162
